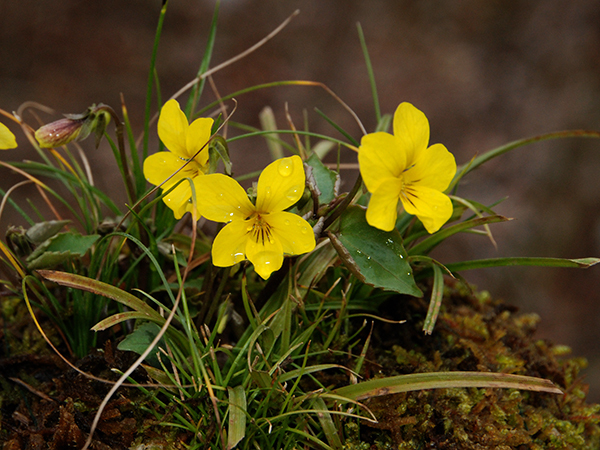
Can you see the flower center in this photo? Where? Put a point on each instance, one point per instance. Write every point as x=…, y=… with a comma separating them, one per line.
x=260, y=230
x=407, y=192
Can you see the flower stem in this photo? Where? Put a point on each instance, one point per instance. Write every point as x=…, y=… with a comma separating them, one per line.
x=344, y=204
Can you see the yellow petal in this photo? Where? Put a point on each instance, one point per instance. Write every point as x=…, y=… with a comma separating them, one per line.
x=382, y=211
x=7, y=139
x=198, y=135
x=431, y=206
x=229, y=246
x=411, y=127
x=380, y=157
x=160, y=166
x=434, y=167
x=266, y=256
x=280, y=185
x=172, y=128
x=294, y=233
x=180, y=199
x=221, y=198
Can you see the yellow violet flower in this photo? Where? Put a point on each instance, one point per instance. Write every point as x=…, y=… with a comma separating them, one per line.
x=7, y=139
x=261, y=233
x=402, y=167
x=183, y=139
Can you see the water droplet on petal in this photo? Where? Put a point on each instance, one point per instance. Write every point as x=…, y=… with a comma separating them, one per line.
x=287, y=222
x=292, y=194
x=237, y=257
x=285, y=167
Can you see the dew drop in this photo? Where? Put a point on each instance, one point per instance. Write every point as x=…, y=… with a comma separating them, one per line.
x=292, y=194
x=237, y=257
x=287, y=222
x=285, y=167
x=303, y=230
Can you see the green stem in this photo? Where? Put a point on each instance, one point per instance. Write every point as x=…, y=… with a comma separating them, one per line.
x=119, y=126
x=159, y=27
x=345, y=203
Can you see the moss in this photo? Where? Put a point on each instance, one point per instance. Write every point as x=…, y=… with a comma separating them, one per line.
x=475, y=333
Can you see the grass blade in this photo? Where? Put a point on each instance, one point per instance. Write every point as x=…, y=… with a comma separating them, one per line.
x=98, y=287
x=365, y=51
x=581, y=263
x=437, y=380
x=237, y=416
x=437, y=293
x=427, y=244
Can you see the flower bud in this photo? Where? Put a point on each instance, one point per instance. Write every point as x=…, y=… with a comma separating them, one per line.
x=59, y=133
x=74, y=127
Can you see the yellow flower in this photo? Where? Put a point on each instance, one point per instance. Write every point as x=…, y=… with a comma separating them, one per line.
x=183, y=140
x=402, y=167
x=7, y=139
x=261, y=233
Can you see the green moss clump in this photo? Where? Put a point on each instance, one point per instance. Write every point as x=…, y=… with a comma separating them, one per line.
x=475, y=333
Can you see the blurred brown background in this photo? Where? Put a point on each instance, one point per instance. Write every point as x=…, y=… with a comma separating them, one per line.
x=485, y=73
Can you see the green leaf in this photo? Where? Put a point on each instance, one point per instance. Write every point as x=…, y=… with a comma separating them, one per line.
x=140, y=339
x=436, y=380
x=437, y=294
x=98, y=287
x=324, y=178
x=118, y=318
x=374, y=256
x=41, y=231
x=237, y=416
x=429, y=243
x=327, y=424
x=59, y=249
x=581, y=263
x=481, y=159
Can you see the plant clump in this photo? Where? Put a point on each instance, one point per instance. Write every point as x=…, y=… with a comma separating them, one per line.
x=246, y=309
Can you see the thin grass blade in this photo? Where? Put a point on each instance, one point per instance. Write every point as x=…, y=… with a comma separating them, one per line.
x=580, y=263
x=98, y=287
x=444, y=380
